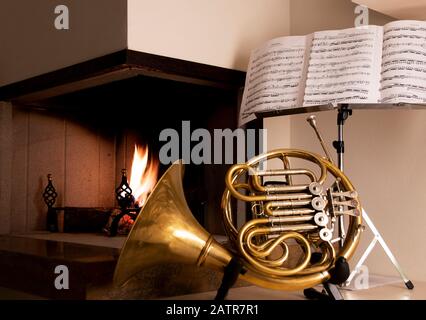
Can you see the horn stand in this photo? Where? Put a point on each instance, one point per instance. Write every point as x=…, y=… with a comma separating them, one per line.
x=232, y=271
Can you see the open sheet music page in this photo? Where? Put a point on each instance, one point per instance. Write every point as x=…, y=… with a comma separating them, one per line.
x=273, y=77
x=344, y=66
x=404, y=62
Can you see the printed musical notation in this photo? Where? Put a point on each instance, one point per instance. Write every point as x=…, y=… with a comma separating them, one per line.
x=274, y=76
x=339, y=71
x=403, y=76
x=368, y=65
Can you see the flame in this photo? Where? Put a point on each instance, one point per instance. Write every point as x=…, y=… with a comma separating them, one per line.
x=144, y=173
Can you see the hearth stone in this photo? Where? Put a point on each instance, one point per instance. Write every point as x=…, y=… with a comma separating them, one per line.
x=27, y=265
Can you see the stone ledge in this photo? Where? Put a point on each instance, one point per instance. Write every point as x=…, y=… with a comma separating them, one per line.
x=27, y=265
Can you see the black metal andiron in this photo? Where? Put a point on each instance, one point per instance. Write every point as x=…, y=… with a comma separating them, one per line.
x=111, y=220
x=49, y=197
x=127, y=203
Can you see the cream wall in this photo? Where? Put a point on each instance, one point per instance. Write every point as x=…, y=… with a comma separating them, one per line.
x=219, y=32
x=215, y=32
x=384, y=153
x=407, y=9
x=30, y=44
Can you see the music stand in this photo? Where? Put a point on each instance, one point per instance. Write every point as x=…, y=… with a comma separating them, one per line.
x=343, y=113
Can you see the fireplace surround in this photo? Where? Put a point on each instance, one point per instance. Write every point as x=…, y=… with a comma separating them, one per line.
x=81, y=123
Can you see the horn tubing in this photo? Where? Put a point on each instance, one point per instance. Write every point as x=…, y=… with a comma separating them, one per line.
x=166, y=231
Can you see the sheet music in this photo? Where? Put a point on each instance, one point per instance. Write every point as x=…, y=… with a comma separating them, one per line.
x=344, y=66
x=273, y=77
x=404, y=62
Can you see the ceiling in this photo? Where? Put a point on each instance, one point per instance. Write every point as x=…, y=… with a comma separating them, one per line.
x=406, y=9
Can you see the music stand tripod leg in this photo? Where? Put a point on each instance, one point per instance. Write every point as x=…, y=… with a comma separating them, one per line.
x=387, y=250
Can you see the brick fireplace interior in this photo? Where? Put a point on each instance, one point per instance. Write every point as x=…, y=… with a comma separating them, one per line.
x=84, y=139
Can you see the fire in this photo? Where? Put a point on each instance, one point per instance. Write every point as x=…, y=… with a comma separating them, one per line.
x=144, y=173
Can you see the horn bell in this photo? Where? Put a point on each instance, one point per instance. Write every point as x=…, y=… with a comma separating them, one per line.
x=166, y=231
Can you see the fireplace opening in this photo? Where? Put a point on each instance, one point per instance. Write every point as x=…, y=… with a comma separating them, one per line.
x=86, y=138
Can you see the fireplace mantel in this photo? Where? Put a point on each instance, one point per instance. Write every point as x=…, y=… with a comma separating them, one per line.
x=117, y=66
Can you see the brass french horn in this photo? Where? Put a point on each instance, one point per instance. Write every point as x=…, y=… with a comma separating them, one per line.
x=286, y=216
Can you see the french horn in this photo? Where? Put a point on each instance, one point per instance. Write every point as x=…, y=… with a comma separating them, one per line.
x=293, y=212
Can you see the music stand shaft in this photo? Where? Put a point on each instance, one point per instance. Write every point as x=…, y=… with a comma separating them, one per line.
x=343, y=114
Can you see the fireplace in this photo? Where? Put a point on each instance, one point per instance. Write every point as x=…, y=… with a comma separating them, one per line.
x=81, y=125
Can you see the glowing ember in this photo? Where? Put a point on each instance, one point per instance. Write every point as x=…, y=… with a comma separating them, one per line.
x=143, y=176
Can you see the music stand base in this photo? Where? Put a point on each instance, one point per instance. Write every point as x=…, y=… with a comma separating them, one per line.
x=330, y=292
